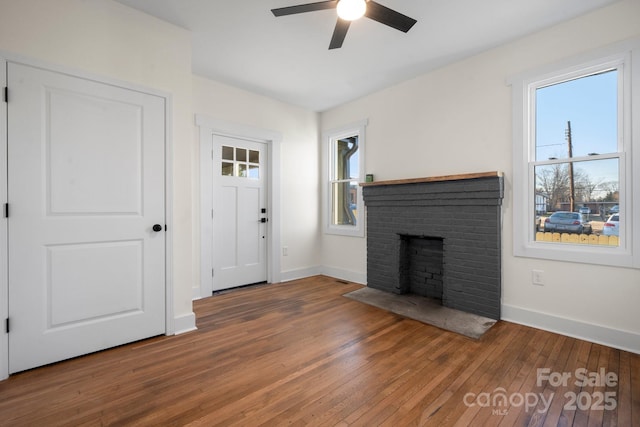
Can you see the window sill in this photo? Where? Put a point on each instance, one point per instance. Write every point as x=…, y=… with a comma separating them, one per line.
x=613, y=256
x=345, y=231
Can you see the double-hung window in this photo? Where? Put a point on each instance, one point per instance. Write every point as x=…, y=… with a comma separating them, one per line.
x=575, y=148
x=344, y=160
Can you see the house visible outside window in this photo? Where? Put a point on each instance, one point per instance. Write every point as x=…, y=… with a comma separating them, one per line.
x=573, y=160
x=345, y=171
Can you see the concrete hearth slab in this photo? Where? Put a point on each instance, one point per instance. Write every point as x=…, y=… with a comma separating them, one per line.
x=425, y=310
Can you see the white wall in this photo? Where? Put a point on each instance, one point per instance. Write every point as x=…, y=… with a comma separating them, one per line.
x=110, y=40
x=299, y=160
x=457, y=120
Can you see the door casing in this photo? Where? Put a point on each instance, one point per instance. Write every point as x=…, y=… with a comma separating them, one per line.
x=4, y=288
x=209, y=127
x=4, y=259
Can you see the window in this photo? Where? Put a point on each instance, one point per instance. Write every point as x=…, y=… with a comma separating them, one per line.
x=344, y=160
x=573, y=159
x=240, y=162
x=576, y=163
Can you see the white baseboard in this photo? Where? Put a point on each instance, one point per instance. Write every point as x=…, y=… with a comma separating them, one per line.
x=195, y=293
x=347, y=275
x=300, y=273
x=623, y=340
x=338, y=273
x=184, y=323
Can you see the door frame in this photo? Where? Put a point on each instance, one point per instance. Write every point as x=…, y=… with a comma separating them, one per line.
x=4, y=241
x=6, y=57
x=208, y=128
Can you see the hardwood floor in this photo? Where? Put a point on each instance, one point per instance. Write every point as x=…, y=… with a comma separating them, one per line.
x=299, y=354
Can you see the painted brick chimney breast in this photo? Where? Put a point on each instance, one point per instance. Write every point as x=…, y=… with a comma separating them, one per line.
x=464, y=211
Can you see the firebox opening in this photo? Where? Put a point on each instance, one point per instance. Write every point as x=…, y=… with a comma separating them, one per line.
x=422, y=266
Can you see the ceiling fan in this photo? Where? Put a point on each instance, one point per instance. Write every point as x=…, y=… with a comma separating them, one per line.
x=350, y=10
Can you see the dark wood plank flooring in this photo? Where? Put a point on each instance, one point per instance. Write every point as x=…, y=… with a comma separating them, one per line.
x=300, y=354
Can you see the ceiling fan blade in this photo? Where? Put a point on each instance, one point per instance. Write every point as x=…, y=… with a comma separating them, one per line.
x=389, y=17
x=339, y=33
x=302, y=8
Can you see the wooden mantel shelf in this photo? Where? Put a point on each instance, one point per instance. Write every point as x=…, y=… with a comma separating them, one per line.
x=435, y=179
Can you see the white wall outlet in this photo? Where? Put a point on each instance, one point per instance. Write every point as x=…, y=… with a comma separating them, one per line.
x=537, y=277
x=285, y=251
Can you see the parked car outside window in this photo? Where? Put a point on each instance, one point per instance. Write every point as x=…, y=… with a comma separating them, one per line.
x=612, y=226
x=567, y=222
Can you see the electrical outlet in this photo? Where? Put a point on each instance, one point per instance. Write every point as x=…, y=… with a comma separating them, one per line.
x=537, y=277
x=285, y=251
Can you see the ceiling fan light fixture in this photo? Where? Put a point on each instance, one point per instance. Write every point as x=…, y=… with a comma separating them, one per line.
x=350, y=10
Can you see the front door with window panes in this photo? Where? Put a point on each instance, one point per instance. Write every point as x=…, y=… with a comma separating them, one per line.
x=239, y=212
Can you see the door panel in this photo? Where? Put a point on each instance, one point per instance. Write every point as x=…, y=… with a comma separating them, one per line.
x=252, y=229
x=79, y=128
x=86, y=186
x=111, y=274
x=227, y=254
x=239, y=236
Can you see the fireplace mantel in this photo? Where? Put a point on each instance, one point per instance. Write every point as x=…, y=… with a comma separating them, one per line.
x=441, y=178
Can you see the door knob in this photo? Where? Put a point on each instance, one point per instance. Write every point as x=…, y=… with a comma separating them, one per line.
x=157, y=228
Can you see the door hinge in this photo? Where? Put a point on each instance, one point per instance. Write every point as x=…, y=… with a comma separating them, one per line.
x=6, y=210
x=213, y=273
x=212, y=154
x=6, y=94
x=7, y=325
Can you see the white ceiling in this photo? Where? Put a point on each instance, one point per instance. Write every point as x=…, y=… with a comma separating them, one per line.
x=241, y=43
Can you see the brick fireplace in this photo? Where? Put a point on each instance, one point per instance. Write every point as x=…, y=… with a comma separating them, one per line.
x=437, y=237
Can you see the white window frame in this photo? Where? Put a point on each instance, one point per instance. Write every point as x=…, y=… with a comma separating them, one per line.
x=329, y=138
x=626, y=58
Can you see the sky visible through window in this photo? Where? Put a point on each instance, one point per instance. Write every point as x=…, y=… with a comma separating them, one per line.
x=591, y=105
x=354, y=165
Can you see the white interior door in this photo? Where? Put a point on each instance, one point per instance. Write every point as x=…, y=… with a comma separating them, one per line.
x=239, y=212
x=85, y=189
